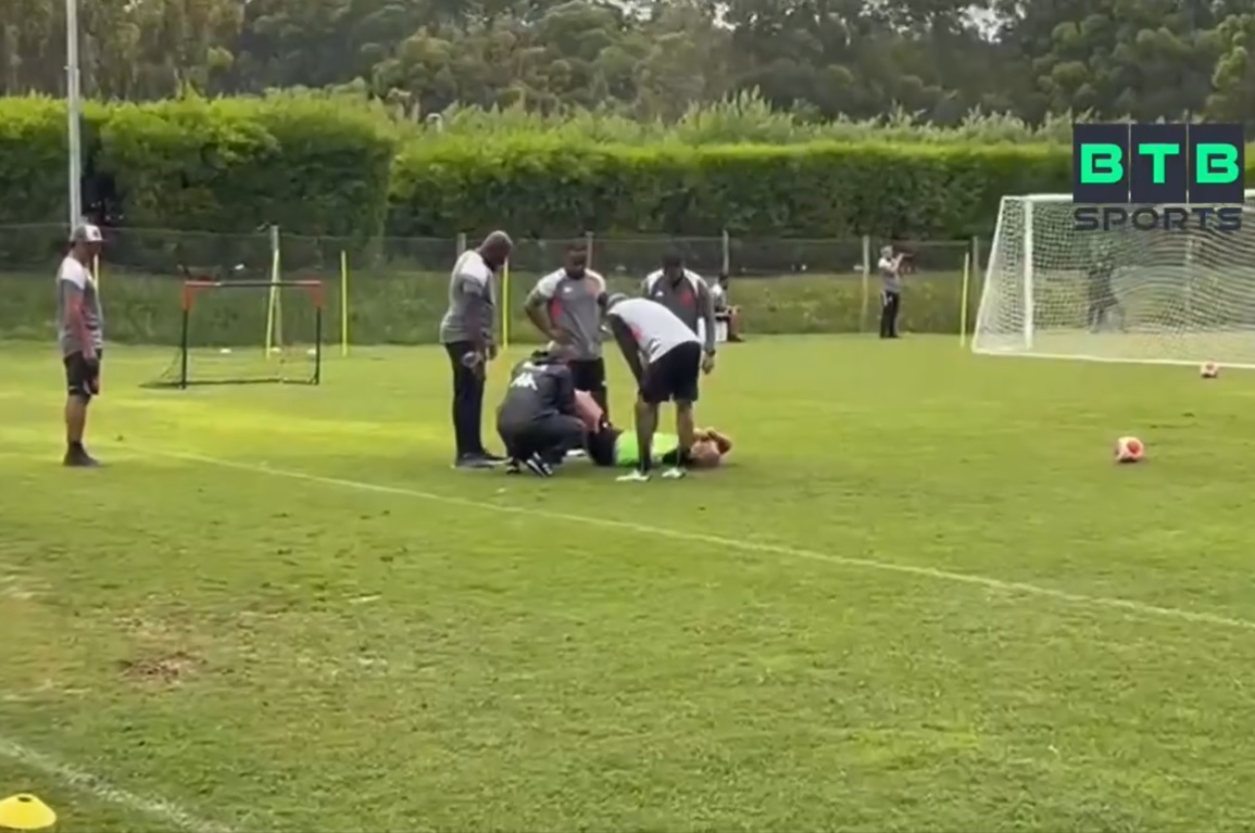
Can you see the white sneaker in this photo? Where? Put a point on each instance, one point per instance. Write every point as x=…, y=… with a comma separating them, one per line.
x=673, y=474
x=634, y=476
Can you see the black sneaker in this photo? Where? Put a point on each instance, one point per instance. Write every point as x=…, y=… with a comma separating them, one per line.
x=513, y=467
x=78, y=458
x=495, y=459
x=537, y=466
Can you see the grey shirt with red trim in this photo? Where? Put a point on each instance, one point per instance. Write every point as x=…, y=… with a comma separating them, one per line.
x=689, y=298
x=472, y=301
x=574, y=306
x=655, y=329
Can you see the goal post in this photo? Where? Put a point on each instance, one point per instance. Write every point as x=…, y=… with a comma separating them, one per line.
x=1183, y=295
x=220, y=325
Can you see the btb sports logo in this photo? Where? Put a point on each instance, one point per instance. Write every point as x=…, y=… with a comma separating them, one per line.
x=1158, y=176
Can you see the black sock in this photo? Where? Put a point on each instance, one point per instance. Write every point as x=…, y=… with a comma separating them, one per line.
x=76, y=445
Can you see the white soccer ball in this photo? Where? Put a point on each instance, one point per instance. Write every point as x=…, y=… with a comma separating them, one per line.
x=276, y=349
x=311, y=352
x=1209, y=370
x=1129, y=450
x=226, y=351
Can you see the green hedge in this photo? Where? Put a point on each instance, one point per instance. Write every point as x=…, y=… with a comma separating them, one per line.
x=537, y=186
x=316, y=166
x=227, y=165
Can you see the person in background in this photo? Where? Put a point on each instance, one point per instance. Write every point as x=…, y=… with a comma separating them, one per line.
x=537, y=419
x=1102, y=298
x=80, y=333
x=890, y=268
x=466, y=331
x=566, y=306
x=724, y=311
x=687, y=295
x=665, y=358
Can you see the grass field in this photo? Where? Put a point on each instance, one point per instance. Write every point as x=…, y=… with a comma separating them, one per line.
x=923, y=598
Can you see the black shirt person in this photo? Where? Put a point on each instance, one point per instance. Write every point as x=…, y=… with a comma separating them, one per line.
x=467, y=334
x=537, y=420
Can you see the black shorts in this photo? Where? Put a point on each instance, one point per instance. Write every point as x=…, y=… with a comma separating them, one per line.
x=80, y=378
x=674, y=375
x=588, y=374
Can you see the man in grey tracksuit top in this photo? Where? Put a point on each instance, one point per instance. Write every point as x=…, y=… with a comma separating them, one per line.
x=686, y=294
x=466, y=331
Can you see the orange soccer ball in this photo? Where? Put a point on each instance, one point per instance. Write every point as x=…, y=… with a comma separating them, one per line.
x=1209, y=370
x=1129, y=450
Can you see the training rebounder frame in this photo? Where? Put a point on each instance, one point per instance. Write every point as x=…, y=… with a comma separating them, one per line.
x=193, y=288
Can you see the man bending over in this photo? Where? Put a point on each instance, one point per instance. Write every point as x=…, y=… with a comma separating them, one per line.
x=665, y=356
x=537, y=420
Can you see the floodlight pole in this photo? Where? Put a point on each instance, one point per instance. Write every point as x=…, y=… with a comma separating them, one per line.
x=73, y=108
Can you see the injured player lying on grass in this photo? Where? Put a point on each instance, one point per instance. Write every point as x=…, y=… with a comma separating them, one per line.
x=607, y=445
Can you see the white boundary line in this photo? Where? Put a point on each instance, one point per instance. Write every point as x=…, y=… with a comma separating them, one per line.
x=1015, y=587
x=155, y=808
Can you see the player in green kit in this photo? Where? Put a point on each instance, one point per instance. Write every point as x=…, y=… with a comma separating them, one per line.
x=611, y=447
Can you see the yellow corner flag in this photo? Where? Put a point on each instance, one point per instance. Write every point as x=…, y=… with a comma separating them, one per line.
x=26, y=812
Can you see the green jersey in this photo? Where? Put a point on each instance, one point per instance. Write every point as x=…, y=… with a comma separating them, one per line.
x=628, y=453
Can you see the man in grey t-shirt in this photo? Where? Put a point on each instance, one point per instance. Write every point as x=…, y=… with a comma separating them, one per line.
x=665, y=356
x=80, y=333
x=466, y=331
x=566, y=306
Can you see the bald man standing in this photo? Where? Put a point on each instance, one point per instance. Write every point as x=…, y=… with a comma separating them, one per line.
x=466, y=331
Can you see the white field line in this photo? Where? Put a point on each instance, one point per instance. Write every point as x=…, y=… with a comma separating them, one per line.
x=157, y=809
x=1013, y=587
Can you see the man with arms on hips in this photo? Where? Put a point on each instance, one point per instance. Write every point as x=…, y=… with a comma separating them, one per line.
x=566, y=306
x=466, y=331
x=890, y=268
x=537, y=419
x=665, y=356
x=688, y=296
x=81, y=336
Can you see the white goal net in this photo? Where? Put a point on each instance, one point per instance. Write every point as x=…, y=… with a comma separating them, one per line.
x=1178, y=296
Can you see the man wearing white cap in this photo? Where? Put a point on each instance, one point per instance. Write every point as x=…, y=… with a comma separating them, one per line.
x=80, y=334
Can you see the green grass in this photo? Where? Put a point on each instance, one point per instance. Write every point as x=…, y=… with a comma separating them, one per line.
x=785, y=644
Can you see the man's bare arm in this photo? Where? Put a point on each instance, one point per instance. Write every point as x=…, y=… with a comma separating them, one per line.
x=707, y=301
x=631, y=350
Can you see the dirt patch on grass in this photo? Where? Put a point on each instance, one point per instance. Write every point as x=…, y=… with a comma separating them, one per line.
x=162, y=669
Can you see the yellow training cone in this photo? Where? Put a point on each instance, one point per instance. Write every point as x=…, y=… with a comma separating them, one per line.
x=26, y=812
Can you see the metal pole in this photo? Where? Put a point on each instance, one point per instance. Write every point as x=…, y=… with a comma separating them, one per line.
x=73, y=108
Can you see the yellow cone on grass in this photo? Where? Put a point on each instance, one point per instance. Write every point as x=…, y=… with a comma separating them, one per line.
x=25, y=812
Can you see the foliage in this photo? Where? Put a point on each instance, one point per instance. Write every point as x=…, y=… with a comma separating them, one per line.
x=656, y=61
x=538, y=186
x=307, y=163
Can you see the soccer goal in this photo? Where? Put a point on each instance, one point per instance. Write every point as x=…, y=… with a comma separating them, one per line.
x=1179, y=296
x=238, y=332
